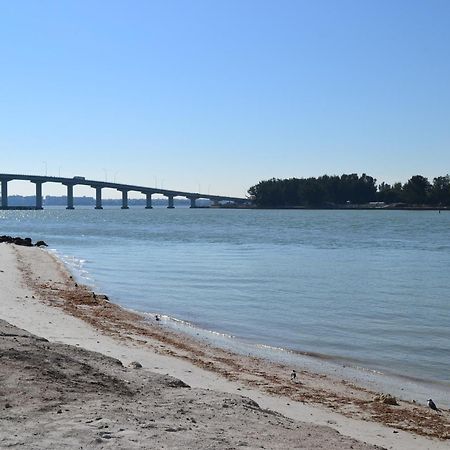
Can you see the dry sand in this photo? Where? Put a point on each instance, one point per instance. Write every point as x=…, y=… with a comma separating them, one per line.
x=55, y=399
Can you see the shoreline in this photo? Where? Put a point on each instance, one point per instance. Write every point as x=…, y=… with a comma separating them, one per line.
x=379, y=379
x=403, y=386
x=340, y=405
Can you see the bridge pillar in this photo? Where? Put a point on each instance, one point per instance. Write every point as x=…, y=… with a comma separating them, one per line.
x=148, y=197
x=69, y=196
x=124, y=199
x=98, y=198
x=170, y=201
x=38, y=194
x=193, y=199
x=4, y=194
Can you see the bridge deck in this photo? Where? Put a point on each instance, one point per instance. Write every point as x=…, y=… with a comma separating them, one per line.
x=39, y=180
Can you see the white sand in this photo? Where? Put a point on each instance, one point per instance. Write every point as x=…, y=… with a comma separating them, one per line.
x=19, y=308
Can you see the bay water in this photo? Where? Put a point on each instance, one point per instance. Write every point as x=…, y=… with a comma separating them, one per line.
x=367, y=290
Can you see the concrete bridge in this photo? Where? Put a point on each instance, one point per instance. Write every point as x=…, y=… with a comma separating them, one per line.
x=99, y=185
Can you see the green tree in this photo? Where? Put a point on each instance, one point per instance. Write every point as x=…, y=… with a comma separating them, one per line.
x=390, y=194
x=440, y=191
x=417, y=190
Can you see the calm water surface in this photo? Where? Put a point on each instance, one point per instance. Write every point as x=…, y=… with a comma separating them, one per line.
x=371, y=287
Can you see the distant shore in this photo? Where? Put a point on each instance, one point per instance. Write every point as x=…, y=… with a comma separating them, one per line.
x=40, y=296
x=184, y=205
x=354, y=208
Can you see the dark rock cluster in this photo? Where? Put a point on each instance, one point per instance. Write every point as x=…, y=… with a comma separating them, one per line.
x=26, y=242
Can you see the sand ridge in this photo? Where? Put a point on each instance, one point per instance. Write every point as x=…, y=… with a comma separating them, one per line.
x=57, y=396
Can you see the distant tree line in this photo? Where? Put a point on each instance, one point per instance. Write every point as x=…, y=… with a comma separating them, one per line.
x=350, y=189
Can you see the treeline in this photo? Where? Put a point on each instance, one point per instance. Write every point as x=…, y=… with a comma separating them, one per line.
x=350, y=189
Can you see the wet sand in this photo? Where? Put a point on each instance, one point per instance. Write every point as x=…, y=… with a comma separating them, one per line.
x=63, y=311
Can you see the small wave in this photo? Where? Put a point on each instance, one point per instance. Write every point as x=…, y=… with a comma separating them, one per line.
x=183, y=325
x=76, y=267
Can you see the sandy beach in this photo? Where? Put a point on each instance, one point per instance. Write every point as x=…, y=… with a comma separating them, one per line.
x=71, y=377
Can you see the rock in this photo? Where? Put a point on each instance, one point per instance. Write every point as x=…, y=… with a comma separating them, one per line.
x=20, y=241
x=387, y=399
x=176, y=383
x=26, y=242
x=135, y=365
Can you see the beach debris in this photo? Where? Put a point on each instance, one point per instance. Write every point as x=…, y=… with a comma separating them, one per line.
x=293, y=375
x=135, y=365
x=387, y=399
x=433, y=406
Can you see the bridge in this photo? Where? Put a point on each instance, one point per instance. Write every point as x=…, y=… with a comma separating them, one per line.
x=99, y=185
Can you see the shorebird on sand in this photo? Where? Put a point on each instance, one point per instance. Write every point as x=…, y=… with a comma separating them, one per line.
x=293, y=375
x=432, y=405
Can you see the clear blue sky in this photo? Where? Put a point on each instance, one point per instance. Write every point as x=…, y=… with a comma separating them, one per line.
x=222, y=94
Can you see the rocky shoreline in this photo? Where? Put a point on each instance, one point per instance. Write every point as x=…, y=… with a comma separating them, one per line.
x=25, y=242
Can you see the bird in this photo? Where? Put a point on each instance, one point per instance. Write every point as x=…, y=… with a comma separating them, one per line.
x=293, y=375
x=432, y=405
x=157, y=318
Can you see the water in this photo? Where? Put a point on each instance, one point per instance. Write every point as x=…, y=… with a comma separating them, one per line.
x=365, y=288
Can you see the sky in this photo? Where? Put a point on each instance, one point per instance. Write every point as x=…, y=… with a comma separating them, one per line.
x=218, y=95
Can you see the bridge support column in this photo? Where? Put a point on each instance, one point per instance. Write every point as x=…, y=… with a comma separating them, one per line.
x=69, y=196
x=170, y=201
x=124, y=199
x=38, y=194
x=193, y=199
x=4, y=194
x=148, y=197
x=98, y=198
